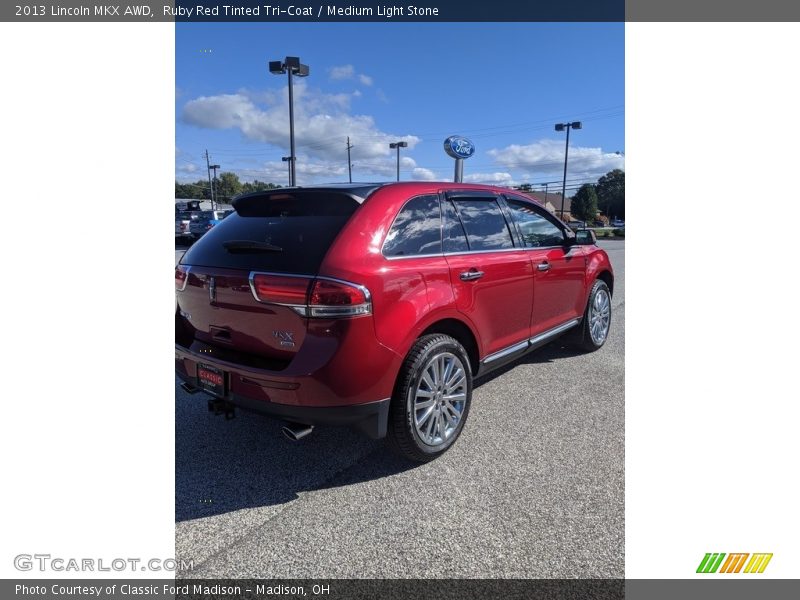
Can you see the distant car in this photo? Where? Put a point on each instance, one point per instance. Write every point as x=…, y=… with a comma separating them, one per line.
x=576, y=224
x=618, y=223
x=205, y=220
x=183, y=222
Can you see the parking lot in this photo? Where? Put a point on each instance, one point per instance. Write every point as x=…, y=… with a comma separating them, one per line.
x=533, y=489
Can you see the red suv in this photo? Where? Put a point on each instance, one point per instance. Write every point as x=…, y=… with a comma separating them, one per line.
x=377, y=305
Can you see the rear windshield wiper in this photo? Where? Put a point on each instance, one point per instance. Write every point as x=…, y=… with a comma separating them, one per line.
x=250, y=246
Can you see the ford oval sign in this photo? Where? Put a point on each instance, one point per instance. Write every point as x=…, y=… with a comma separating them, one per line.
x=459, y=147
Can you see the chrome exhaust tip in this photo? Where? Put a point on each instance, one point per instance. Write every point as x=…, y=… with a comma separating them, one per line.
x=296, y=431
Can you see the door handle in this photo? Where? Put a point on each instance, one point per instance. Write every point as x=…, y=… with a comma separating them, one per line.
x=471, y=275
x=543, y=266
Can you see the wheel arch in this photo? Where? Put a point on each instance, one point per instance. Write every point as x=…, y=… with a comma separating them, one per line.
x=462, y=333
x=606, y=276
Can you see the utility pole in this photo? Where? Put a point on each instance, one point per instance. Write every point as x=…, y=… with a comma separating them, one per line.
x=213, y=187
x=349, y=164
x=210, y=185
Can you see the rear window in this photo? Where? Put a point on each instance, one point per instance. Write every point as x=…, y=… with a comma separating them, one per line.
x=284, y=232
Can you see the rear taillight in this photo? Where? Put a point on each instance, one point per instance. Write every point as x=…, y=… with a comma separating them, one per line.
x=181, y=277
x=278, y=289
x=331, y=298
x=312, y=297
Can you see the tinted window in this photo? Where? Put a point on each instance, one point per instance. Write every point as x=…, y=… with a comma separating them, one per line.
x=485, y=225
x=454, y=238
x=416, y=229
x=301, y=225
x=537, y=231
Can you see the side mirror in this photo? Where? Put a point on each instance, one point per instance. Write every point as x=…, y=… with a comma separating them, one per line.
x=585, y=237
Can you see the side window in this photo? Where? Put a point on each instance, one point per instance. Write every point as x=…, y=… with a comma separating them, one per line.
x=454, y=237
x=485, y=224
x=416, y=229
x=536, y=230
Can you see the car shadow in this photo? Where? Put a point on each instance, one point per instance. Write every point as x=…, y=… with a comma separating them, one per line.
x=223, y=465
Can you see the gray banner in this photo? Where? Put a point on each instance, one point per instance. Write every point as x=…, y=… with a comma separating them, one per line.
x=712, y=10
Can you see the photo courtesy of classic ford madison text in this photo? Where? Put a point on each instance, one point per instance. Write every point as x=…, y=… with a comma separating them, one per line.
x=399, y=300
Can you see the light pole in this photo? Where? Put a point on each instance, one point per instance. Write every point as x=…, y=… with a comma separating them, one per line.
x=398, y=145
x=292, y=66
x=288, y=159
x=214, y=186
x=562, y=127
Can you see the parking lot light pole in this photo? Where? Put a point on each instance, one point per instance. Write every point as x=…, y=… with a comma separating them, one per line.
x=562, y=127
x=288, y=159
x=398, y=145
x=292, y=66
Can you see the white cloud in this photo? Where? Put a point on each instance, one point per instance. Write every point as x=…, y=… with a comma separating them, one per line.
x=342, y=72
x=496, y=178
x=322, y=123
x=423, y=174
x=546, y=157
x=357, y=93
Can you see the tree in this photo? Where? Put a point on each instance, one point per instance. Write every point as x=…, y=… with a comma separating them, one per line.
x=227, y=186
x=257, y=186
x=584, y=203
x=611, y=194
x=195, y=191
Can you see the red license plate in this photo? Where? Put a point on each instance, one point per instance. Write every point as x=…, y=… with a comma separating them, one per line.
x=212, y=380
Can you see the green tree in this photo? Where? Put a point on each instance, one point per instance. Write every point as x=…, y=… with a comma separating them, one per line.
x=257, y=186
x=611, y=194
x=197, y=190
x=584, y=203
x=227, y=186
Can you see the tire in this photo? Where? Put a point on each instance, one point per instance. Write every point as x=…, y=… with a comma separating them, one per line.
x=593, y=330
x=436, y=370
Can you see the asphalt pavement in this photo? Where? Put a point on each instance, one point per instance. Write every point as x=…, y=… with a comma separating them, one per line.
x=534, y=488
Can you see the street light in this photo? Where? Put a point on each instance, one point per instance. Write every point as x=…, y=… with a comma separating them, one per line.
x=398, y=145
x=562, y=127
x=289, y=160
x=292, y=66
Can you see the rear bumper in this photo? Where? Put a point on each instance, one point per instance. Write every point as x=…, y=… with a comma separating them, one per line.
x=370, y=418
x=317, y=398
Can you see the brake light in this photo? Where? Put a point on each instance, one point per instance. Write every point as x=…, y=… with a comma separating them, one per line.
x=311, y=297
x=181, y=277
x=331, y=298
x=276, y=289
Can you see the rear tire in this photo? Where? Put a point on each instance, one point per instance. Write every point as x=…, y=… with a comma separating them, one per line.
x=593, y=330
x=431, y=399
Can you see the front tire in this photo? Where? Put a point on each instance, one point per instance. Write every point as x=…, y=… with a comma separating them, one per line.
x=593, y=331
x=431, y=399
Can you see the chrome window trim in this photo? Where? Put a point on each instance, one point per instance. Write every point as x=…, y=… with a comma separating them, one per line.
x=523, y=345
x=315, y=310
x=526, y=249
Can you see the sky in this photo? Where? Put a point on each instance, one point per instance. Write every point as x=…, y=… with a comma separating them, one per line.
x=502, y=85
